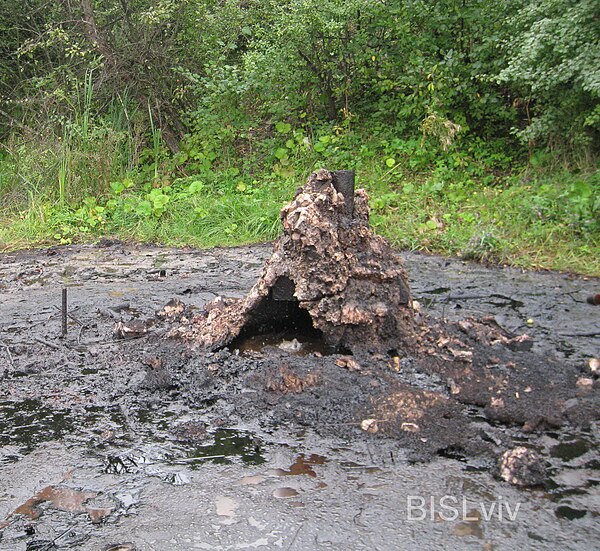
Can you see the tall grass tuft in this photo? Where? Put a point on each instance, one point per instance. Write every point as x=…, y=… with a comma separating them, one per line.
x=156, y=142
x=62, y=163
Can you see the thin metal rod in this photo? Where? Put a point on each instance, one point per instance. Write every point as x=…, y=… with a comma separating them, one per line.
x=65, y=313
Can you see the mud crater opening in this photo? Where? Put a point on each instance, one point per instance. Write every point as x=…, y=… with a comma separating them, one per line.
x=278, y=321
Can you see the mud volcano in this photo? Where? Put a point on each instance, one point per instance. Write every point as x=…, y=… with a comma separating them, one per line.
x=430, y=384
x=282, y=442
x=329, y=273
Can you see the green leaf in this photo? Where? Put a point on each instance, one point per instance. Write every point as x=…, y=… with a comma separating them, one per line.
x=283, y=127
x=159, y=199
x=281, y=153
x=390, y=162
x=117, y=187
x=144, y=208
x=195, y=187
x=467, y=217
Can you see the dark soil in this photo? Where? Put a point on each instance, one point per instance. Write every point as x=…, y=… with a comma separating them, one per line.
x=116, y=424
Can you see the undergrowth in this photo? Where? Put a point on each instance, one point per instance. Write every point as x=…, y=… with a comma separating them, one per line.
x=226, y=186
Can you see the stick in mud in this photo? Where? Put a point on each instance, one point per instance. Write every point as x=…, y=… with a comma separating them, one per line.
x=64, y=312
x=49, y=344
x=69, y=315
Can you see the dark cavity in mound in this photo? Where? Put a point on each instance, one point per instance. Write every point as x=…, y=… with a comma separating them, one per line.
x=279, y=321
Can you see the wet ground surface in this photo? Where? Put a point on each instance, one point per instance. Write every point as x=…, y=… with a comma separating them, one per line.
x=145, y=443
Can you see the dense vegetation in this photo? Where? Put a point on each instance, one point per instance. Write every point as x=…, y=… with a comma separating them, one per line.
x=474, y=124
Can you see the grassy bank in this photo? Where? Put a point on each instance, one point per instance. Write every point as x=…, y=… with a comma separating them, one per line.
x=471, y=201
x=475, y=127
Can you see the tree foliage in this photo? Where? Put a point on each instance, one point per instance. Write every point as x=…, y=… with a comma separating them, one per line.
x=553, y=64
x=529, y=68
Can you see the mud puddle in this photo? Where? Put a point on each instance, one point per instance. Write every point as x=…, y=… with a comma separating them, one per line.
x=293, y=342
x=145, y=444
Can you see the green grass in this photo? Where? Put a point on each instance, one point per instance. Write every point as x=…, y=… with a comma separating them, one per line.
x=492, y=225
x=474, y=205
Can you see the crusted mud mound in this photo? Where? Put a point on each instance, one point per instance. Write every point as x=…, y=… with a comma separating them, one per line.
x=332, y=279
x=328, y=272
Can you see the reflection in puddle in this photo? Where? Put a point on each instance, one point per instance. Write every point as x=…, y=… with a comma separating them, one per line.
x=290, y=341
x=302, y=465
x=28, y=423
x=351, y=466
x=570, y=450
x=114, y=464
x=285, y=492
x=569, y=513
x=228, y=444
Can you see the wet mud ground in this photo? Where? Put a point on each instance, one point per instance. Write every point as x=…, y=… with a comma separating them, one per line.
x=144, y=443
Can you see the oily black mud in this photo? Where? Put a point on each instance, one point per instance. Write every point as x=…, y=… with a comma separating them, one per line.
x=149, y=407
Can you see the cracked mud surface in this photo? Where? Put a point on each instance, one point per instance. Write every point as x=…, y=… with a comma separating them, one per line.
x=143, y=440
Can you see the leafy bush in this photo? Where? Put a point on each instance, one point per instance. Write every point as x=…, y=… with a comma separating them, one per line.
x=553, y=61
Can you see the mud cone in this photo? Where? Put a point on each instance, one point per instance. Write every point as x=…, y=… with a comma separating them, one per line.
x=328, y=273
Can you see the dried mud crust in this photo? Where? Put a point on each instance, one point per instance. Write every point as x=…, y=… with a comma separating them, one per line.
x=429, y=403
